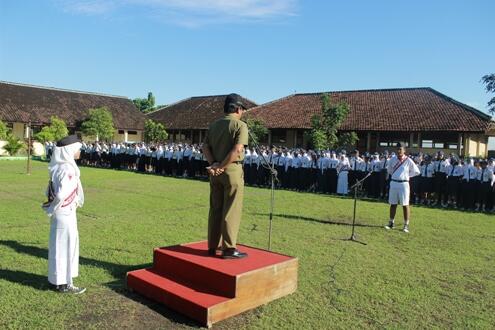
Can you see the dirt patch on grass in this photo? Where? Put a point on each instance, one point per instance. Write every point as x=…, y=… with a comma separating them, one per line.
x=119, y=309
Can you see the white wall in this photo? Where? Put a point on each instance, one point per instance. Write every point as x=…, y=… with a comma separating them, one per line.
x=38, y=149
x=2, y=151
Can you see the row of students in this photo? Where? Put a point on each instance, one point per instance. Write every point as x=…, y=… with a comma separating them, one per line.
x=462, y=183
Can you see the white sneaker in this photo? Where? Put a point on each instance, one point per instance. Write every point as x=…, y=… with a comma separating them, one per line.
x=390, y=225
x=406, y=229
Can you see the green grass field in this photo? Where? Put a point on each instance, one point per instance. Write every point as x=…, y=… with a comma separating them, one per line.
x=441, y=275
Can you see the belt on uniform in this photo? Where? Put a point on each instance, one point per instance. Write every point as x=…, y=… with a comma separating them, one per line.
x=400, y=180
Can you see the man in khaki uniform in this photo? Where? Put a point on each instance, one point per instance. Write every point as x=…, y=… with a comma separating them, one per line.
x=224, y=149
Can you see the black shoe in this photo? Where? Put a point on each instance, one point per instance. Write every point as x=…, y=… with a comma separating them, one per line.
x=233, y=254
x=212, y=252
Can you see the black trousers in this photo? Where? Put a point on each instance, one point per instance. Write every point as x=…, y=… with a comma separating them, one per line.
x=441, y=187
x=485, y=191
x=331, y=178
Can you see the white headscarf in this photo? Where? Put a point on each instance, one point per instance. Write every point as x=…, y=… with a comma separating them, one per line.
x=64, y=155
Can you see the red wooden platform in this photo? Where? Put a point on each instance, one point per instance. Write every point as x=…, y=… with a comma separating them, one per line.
x=210, y=289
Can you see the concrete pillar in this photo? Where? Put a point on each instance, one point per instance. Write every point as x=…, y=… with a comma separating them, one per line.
x=459, y=144
x=269, y=137
x=180, y=136
x=200, y=136
x=467, y=142
x=478, y=146
x=377, y=141
x=295, y=137
x=126, y=136
x=368, y=141
x=192, y=136
x=411, y=140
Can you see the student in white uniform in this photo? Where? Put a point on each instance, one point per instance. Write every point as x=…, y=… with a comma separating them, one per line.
x=401, y=169
x=65, y=195
x=342, y=174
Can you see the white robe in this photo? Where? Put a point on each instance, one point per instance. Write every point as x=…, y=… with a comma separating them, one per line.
x=342, y=183
x=63, y=251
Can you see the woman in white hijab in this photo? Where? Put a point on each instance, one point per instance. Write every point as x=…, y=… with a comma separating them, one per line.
x=342, y=171
x=65, y=195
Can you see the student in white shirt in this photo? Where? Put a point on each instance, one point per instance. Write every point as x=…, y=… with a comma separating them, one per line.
x=454, y=173
x=427, y=187
x=485, y=189
x=401, y=169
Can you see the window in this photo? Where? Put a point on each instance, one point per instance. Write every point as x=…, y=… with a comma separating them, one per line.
x=187, y=135
x=427, y=143
x=131, y=132
x=432, y=144
x=121, y=131
x=35, y=129
x=278, y=136
x=392, y=144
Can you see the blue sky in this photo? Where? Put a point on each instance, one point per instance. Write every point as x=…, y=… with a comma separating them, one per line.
x=261, y=49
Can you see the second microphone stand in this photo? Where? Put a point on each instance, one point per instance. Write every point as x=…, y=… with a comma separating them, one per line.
x=356, y=186
x=273, y=178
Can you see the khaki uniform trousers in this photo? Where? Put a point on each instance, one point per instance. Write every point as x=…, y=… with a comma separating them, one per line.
x=226, y=195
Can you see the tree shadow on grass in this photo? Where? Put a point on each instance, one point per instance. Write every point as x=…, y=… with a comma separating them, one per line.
x=118, y=271
x=327, y=222
x=35, y=281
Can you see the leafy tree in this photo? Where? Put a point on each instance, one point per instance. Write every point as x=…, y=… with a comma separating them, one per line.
x=151, y=99
x=14, y=144
x=324, y=127
x=58, y=128
x=56, y=131
x=257, y=129
x=4, y=130
x=145, y=105
x=99, y=124
x=154, y=132
x=347, y=140
x=489, y=81
x=44, y=135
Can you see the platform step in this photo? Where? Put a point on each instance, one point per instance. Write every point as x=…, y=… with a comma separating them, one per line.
x=210, y=289
x=193, y=264
x=174, y=293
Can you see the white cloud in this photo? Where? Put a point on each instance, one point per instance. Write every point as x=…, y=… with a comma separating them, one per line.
x=191, y=12
x=88, y=7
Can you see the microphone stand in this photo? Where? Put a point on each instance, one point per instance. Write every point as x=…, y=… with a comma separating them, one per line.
x=357, y=186
x=273, y=178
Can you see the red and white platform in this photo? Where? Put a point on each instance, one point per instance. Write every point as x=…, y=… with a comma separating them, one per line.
x=210, y=289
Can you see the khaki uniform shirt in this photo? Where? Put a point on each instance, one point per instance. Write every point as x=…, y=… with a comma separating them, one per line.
x=224, y=134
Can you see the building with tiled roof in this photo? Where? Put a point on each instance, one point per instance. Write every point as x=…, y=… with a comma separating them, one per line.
x=21, y=104
x=188, y=120
x=423, y=117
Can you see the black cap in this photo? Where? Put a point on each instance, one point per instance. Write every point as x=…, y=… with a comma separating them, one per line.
x=233, y=100
x=401, y=145
x=68, y=140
